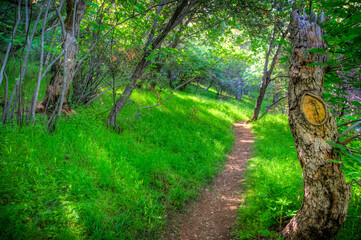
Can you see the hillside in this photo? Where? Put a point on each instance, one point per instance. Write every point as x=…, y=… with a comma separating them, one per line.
x=86, y=181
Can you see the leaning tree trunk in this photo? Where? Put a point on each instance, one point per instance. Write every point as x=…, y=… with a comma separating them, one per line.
x=266, y=77
x=326, y=193
x=262, y=92
x=74, y=16
x=152, y=44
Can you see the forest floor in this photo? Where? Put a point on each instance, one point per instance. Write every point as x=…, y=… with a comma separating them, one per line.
x=213, y=216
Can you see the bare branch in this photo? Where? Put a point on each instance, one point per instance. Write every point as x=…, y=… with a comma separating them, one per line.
x=349, y=129
x=344, y=124
x=31, y=113
x=292, y=147
x=107, y=32
x=270, y=106
x=99, y=94
x=175, y=89
x=353, y=217
x=359, y=180
x=347, y=141
x=10, y=44
x=283, y=33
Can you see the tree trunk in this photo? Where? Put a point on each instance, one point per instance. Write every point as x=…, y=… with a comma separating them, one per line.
x=119, y=104
x=178, y=15
x=326, y=193
x=276, y=96
x=266, y=77
x=239, y=85
x=262, y=92
x=57, y=83
x=210, y=85
x=172, y=78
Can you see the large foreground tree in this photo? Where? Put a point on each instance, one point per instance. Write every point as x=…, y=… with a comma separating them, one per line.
x=326, y=193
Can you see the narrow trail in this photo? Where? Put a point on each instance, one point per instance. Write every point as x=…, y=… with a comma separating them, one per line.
x=214, y=214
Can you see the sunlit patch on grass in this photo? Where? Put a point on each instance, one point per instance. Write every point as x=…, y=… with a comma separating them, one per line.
x=72, y=217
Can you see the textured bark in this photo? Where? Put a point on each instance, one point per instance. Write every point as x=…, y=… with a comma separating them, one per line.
x=112, y=117
x=56, y=85
x=326, y=193
x=262, y=92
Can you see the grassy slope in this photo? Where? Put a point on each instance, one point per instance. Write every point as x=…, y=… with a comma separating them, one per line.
x=274, y=184
x=84, y=181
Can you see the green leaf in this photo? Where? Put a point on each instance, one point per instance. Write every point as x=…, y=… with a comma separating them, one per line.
x=336, y=161
x=284, y=59
x=316, y=50
x=356, y=103
x=317, y=64
x=91, y=4
x=336, y=145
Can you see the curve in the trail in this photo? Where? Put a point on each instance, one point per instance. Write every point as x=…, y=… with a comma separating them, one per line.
x=214, y=214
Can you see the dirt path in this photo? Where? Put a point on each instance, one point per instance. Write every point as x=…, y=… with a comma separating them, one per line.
x=213, y=216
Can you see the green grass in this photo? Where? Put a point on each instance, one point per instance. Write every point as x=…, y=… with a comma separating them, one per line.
x=274, y=185
x=273, y=179
x=84, y=181
x=352, y=226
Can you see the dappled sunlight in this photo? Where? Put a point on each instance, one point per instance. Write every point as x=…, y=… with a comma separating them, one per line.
x=247, y=141
x=71, y=215
x=235, y=168
x=272, y=173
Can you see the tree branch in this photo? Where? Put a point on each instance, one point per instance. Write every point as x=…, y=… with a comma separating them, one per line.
x=349, y=129
x=359, y=180
x=107, y=32
x=270, y=106
x=175, y=89
x=344, y=124
x=347, y=141
x=10, y=43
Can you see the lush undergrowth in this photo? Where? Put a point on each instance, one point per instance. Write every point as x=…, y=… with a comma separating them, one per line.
x=351, y=229
x=273, y=184
x=85, y=181
x=273, y=179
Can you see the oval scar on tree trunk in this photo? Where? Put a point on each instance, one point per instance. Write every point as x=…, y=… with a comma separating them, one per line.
x=313, y=109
